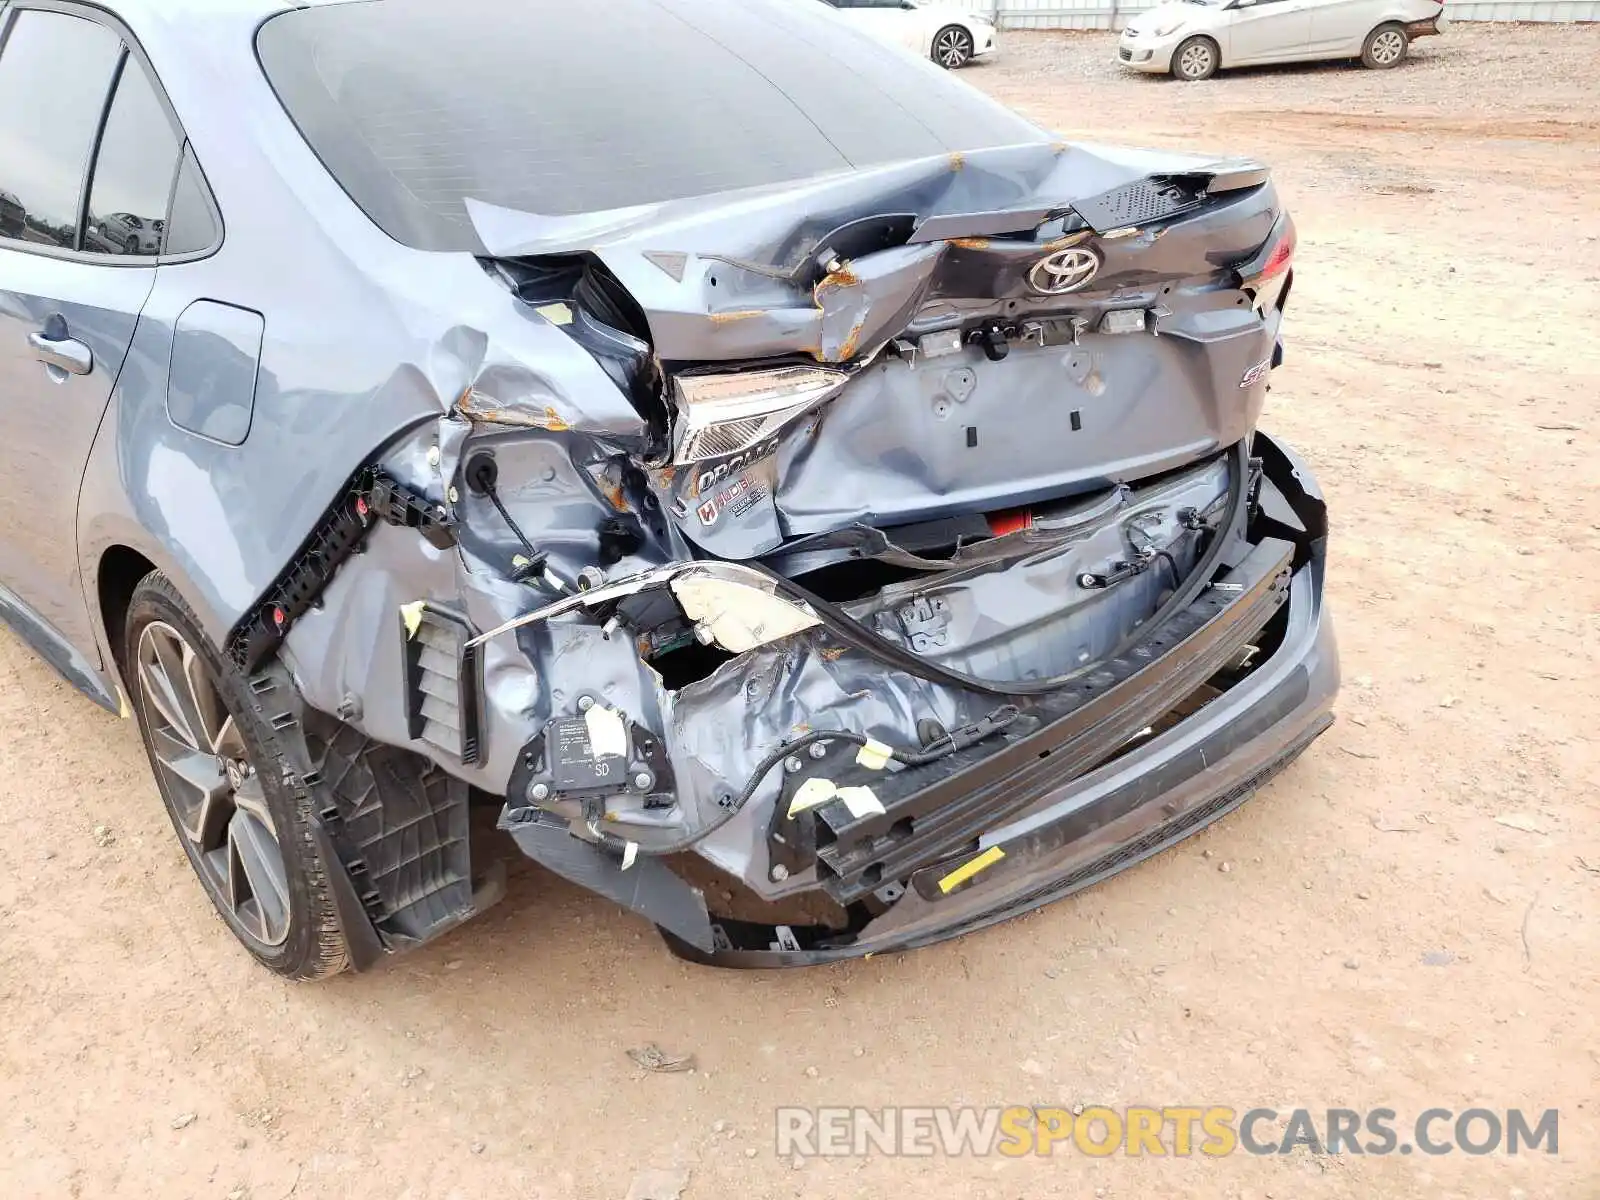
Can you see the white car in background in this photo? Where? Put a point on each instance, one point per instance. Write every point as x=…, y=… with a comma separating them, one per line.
x=950, y=37
x=1194, y=39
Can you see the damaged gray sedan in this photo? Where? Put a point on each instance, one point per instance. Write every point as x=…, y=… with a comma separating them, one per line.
x=820, y=511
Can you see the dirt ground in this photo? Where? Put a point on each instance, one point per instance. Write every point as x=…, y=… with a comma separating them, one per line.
x=1408, y=917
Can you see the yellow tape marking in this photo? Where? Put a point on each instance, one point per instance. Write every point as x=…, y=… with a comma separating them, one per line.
x=411, y=614
x=967, y=870
x=812, y=793
x=874, y=756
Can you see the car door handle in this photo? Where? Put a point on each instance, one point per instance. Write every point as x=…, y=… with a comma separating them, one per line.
x=55, y=347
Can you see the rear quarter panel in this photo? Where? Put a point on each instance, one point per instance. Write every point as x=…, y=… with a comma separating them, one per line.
x=362, y=339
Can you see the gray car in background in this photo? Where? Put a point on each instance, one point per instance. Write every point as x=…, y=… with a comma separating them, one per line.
x=822, y=519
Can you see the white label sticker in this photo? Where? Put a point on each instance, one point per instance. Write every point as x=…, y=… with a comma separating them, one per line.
x=607, y=734
x=861, y=801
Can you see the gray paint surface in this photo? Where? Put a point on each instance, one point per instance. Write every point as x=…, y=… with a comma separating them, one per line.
x=211, y=383
x=235, y=394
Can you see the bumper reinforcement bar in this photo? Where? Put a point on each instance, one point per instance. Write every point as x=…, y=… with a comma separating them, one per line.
x=935, y=811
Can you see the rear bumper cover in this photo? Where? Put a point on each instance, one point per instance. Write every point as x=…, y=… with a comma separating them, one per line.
x=1076, y=833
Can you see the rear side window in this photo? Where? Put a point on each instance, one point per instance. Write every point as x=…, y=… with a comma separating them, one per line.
x=55, y=71
x=570, y=106
x=133, y=171
x=192, y=227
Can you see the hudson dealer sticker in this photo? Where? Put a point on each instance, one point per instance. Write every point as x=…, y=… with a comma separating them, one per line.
x=738, y=498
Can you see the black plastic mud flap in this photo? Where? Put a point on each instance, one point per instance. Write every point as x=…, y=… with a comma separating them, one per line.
x=365, y=947
x=648, y=887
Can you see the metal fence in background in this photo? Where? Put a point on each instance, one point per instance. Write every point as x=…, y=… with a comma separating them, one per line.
x=1113, y=14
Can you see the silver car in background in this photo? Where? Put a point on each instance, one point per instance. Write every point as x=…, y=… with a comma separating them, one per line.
x=1194, y=39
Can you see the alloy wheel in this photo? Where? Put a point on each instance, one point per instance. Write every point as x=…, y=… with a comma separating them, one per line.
x=213, y=786
x=1387, y=47
x=953, y=47
x=1195, y=61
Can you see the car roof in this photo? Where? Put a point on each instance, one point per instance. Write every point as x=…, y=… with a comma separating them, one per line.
x=164, y=12
x=145, y=14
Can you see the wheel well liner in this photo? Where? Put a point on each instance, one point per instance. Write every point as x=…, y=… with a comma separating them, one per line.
x=121, y=569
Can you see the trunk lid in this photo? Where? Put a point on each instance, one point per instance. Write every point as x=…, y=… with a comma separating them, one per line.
x=1005, y=327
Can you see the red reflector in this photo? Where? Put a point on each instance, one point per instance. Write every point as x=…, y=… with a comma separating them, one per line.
x=361, y=506
x=1012, y=521
x=279, y=616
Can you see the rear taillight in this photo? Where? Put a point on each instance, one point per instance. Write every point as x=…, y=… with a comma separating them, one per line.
x=727, y=413
x=1266, y=276
x=1282, y=256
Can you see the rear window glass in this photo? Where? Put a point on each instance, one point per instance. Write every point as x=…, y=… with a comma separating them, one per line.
x=566, y=106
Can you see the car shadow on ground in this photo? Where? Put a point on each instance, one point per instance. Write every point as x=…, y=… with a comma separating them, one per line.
x=1332, y=66
x=544, y=924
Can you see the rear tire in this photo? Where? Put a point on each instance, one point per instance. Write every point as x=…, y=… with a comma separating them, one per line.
x=1195, y=59
x=227, y=787
x=1385, y=48
x=953, y=47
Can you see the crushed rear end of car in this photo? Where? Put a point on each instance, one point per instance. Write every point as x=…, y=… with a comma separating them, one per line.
x=828, y=562
x=950, y=575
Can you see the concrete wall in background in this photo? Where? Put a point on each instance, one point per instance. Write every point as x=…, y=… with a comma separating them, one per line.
x=1113, y=14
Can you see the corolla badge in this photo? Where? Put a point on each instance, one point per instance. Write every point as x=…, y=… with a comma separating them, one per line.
x=1064, y=271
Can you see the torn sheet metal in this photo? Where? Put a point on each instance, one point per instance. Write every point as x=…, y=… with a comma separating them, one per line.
x=1028, y=621
x=1023, y=621
x=753, y=273
x=862, y=304
x=346, y=652
x=914, y=441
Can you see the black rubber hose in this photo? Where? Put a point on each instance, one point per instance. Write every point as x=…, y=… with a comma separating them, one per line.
x=856, y=635
x=850, y=631
x=535, y=557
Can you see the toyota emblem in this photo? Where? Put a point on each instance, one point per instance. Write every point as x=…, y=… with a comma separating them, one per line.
x=1065, y=271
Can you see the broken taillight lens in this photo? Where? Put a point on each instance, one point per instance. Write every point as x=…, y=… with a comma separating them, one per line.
x=1268, y=281
x=728, y=413
x=1282, y=256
